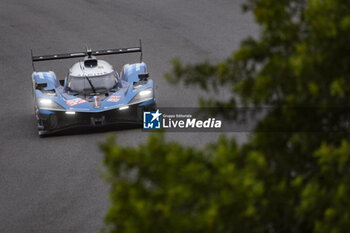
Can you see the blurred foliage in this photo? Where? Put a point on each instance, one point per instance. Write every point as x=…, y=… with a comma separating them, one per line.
x=292, y=181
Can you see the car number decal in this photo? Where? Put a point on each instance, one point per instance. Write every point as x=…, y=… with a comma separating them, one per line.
x=75, y=101
x=114, y=98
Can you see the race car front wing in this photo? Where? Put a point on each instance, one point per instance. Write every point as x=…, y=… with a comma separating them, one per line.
x=53, y=121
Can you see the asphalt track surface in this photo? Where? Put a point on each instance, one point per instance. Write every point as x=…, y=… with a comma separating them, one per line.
x=54, y=184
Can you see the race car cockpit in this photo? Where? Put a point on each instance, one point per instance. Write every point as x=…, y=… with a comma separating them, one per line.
x=92, y=84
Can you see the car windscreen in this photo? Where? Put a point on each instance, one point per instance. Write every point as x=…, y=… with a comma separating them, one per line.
x=101, y=83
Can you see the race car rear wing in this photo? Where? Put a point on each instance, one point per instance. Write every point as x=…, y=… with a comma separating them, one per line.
x=87, y=53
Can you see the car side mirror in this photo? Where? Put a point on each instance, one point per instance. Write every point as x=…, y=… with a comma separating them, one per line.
x=143, y=77
x=40, y=86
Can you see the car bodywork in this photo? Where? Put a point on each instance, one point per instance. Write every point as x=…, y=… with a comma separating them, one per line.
x=58, y=105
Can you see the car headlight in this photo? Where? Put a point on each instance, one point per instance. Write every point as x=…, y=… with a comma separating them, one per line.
x=45, y=102
x=48, y=104
x=144, y=95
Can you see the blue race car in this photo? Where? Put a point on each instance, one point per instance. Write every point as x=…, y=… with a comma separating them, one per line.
x=93, y=93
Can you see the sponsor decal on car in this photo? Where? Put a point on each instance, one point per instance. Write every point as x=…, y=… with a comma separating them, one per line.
x=114, y=98
x=75, y=101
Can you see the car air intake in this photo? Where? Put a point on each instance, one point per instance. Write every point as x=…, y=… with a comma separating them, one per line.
x=90, y=63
